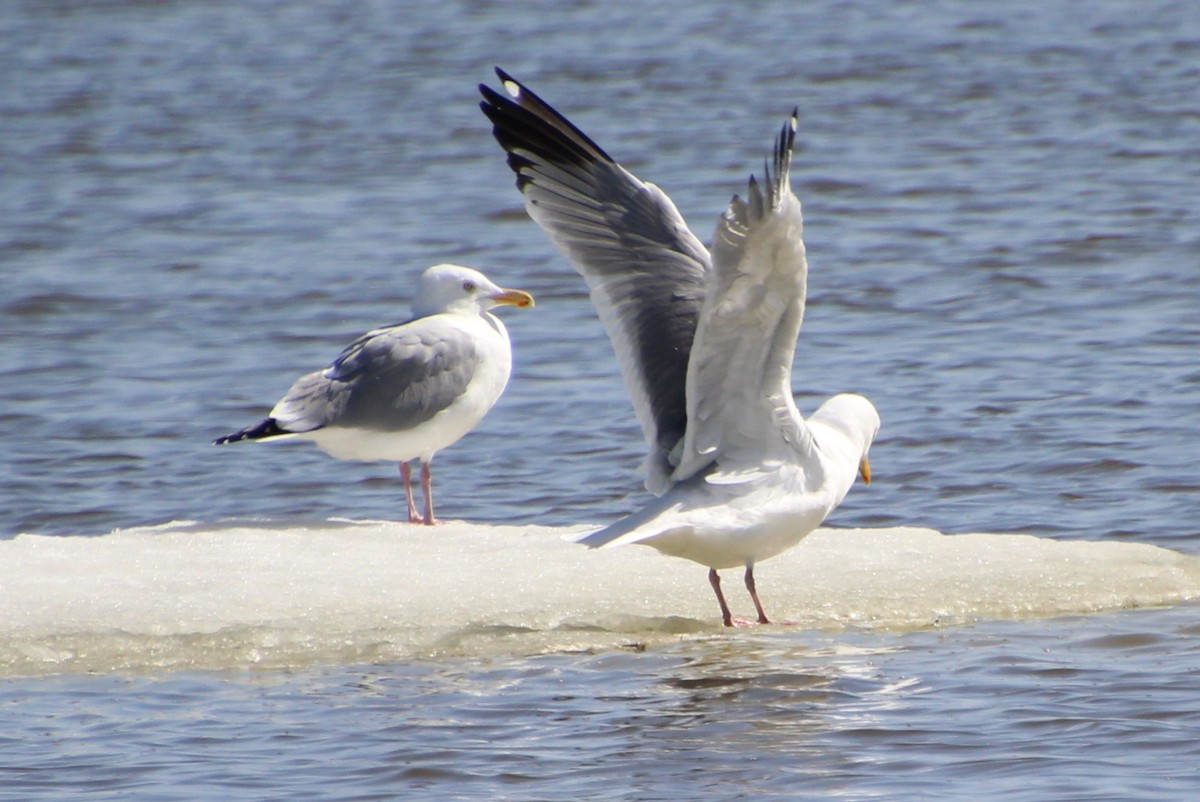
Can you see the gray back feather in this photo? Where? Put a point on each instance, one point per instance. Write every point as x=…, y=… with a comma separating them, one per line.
x=390, y=379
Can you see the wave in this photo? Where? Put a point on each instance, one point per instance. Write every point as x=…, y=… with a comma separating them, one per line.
x=206, y=596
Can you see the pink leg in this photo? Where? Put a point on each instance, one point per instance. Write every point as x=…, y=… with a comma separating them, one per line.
x=762, y=616
x=427, y=490
x=406, y=478
x=715, y=581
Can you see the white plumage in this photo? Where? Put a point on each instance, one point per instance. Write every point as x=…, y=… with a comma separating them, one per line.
x=404, y=392
x=705, y=342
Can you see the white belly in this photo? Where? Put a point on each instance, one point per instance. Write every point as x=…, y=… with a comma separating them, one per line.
x=420, y=442
x=725, y=526
x=732, y=544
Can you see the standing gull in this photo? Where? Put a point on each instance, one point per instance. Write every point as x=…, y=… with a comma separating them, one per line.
x=404, y=392
x=705, y=342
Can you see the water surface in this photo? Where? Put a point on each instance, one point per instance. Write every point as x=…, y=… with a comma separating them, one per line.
x=200, y=201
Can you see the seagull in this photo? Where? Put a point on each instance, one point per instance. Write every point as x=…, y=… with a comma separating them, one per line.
x=404, y=392
x=705, y=340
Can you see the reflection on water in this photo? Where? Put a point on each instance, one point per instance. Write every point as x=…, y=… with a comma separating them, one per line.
x=783, y=714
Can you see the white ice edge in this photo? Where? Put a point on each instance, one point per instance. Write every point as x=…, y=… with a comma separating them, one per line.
x=219, y=596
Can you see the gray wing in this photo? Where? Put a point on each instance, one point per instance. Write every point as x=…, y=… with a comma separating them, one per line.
x=645, y=269
x=391, y=379
x=740, y=407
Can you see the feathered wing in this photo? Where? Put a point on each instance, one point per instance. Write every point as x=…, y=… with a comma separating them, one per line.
x=645, y=269
x=741, y=415
x=740, y=410
x=402, y=375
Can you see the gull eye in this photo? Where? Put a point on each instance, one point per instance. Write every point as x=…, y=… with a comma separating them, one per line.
x=469, y=285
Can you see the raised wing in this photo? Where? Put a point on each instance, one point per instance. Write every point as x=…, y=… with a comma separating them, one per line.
x=645, y=269
x=390, y=379
x=739, y=393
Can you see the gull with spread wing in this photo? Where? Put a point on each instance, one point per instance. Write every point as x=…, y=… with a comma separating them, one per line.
x=705, y=340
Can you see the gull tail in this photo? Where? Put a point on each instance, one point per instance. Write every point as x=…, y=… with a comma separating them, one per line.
x=265, y=428
x=641, y=525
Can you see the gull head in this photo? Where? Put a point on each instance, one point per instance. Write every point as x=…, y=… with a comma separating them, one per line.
x=454, y=288
x=857, y=421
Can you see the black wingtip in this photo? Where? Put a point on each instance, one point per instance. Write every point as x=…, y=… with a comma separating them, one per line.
x=491, y=98
x=267, y=427
x=522, y=120
x=784, y=146
x=505, y=77
x=515, y=88
x=775, y=176
x=512, y=86
x=787, y=138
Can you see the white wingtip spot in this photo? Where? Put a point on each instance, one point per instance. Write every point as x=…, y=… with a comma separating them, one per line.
x=513, y=88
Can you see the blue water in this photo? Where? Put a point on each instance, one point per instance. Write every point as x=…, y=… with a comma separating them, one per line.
x=201, y=200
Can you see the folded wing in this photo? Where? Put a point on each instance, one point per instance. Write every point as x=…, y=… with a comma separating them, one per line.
x=391, y=379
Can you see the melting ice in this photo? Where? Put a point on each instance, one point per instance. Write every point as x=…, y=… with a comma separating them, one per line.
x=220, y=596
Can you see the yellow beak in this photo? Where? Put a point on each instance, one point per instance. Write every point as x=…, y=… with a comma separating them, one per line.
x=864, y=470
x=513, y=298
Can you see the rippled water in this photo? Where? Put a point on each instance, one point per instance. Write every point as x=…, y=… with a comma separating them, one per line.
x=1081, y=708
x=199, y=201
